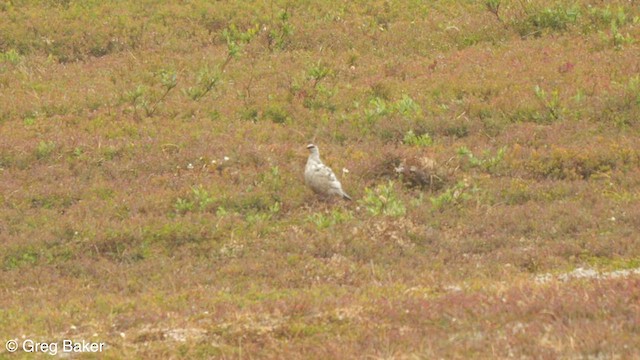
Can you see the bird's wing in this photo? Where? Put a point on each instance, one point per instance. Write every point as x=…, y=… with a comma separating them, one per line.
x=323, y=178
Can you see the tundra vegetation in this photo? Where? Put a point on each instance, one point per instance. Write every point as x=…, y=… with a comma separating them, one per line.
x=152, y=196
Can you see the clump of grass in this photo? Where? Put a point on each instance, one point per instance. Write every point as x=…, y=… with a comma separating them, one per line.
x=383, y=201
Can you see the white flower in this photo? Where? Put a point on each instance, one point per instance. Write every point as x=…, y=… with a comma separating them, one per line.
x=226, y=158
x=345, y=170
x=190, y=166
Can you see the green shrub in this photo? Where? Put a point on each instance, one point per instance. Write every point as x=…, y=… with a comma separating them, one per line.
x=487, y=162
x=383, y=201
x=206, y=81
x=336, y=216
x=199, y=200
x=552, y=105
x=552, y=19
x=280, y=34
x=453, y=195
x=410, y=138
x=277, y=114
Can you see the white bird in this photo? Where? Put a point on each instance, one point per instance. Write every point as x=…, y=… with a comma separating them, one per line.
x=320, y=178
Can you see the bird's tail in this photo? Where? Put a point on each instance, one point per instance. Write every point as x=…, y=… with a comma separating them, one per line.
x=345, y=196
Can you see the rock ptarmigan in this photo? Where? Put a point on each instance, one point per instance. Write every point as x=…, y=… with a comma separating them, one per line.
x=320, y=178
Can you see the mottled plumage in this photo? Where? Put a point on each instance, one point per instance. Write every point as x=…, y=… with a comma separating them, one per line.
x=320, y=178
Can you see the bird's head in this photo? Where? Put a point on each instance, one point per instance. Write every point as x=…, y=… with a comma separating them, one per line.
x=313, y=149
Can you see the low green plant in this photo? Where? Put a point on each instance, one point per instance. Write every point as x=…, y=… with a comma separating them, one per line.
x=423, y=140
x=25, y=256
x=383, y=201
x=44, y=149
x=377, y=108
x=632, y=89
x=579, y=97
x=321, y=98
x=277, y=114
x=136, y=98
x=264, y=215
x=487, y=162
x=236, y=41
x=249, y=114
x=29, y=120
x=619, y=39
x=407, y=107
x=183, y=206
x=280, y=34
x=168, y=81
x=336, y=216
x=271, y=179
x=318, y=72
x=493, y=6
x=553, y=18
x=199, y=200
x=201, y=197
x=603, y=17
x=206, y=81
x=11, y=56
x=142, y=97
x=552, y=104
x=453, y=195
